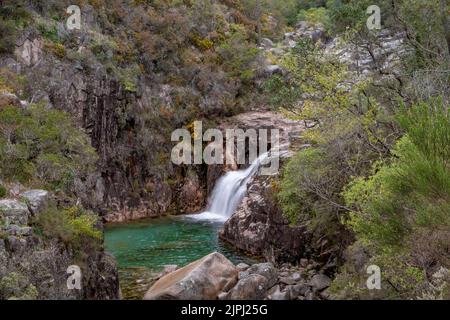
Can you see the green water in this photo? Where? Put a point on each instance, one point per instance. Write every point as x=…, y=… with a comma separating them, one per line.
x=142, y=248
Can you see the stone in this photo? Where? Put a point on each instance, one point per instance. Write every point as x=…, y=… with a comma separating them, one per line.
x=253, y=287
x=299, y=290
x=266, y=270
x=287, y=280
x=277, y=51
x=203, y=279
x=14, y=211
x=170, y=268
x=320, y=282
x=223, y=296
x=36, y=199
x=242, y=266
x=16, y=245
x=296, y=276
x=304, y=262
x=273, y=69
x=16, y=230
x=280, y=295
x=267, y=43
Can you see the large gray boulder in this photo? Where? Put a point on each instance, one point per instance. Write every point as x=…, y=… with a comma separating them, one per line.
x=203, y=279
x=14, y=212
x=36, y=199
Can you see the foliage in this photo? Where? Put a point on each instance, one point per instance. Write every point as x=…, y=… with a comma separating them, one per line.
x=43, y=147
x=15, y=286
x=410, y=197
x=73, y=226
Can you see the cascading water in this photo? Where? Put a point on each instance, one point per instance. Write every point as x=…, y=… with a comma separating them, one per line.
x=229, y=192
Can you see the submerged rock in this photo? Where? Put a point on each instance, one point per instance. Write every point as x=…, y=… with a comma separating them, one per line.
x=204, y=279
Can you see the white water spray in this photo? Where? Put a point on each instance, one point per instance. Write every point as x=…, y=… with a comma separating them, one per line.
x=229, y=192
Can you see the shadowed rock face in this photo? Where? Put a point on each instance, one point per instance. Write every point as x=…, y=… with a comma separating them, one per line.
x=203, y=279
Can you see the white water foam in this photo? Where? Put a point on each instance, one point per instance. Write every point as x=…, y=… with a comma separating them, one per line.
x=229, y=192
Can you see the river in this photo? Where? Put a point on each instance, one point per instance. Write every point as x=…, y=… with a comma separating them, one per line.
x=142, y=248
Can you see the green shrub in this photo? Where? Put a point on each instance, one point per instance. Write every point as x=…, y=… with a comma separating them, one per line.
x=412, y=191
x=43, y=147
x=15, y=286
x=73, y=226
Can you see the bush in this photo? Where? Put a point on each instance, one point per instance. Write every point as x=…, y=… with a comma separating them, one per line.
x=73, y=226
x=15, y=286
x=402, y=211
x=43, y=147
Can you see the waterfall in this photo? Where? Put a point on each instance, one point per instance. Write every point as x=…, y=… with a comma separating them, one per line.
x=229, y=192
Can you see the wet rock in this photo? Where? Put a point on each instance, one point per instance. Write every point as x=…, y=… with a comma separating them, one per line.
x=36, y=199
x=203, y=279
x=252, y=287
x=320, y=282
x=14, y=211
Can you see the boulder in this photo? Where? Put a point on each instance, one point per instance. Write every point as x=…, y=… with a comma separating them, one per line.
x=14, y=211
x=267, y=270
x=203, y=279
x=252, y=287
x=36, y=199
x=242, y=266
x=320, y=282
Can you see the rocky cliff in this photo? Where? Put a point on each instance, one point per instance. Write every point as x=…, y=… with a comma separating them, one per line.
x=33, y=266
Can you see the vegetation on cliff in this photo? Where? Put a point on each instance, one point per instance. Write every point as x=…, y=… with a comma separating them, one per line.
x=378, y=166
